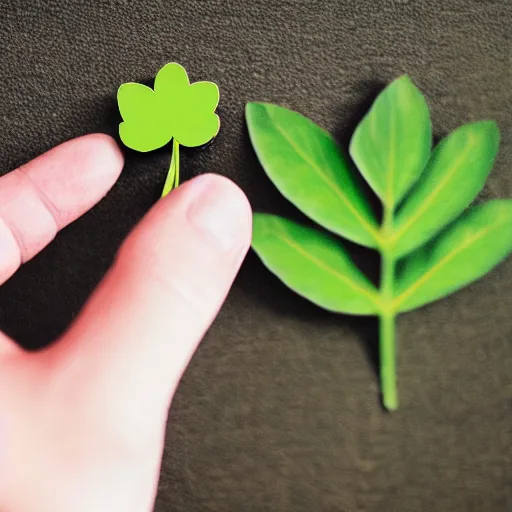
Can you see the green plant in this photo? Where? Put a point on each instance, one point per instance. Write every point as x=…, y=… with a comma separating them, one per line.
x=430, y=245
x=174, y=109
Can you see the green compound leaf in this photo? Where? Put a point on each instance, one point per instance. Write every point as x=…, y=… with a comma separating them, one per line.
x=421, y=193
x=391, y=145
x=475, y=244
x=314, y=265
x=456, y=173
x=307, y=167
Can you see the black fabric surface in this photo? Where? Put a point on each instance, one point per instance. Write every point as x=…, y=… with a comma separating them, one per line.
x=279, y=409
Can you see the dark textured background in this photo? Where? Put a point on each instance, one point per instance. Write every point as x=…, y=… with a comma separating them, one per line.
x=279, y=409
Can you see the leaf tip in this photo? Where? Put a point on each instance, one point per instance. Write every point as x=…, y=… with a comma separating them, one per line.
x=260, y=225
x=491, y=127
x=404, y=78
x=402, y=81
x=487, y=131
x=253, y=107
x=407, y=83
x=249, y=107
x=259, y=219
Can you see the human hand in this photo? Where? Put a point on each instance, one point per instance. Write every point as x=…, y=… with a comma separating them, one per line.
x=82, y=422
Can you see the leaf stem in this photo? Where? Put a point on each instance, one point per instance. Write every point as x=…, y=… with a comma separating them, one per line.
x=387, y=343
x=387, y=353
x=173, y=176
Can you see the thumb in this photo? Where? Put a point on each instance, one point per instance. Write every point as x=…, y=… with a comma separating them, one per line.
x=138, y=331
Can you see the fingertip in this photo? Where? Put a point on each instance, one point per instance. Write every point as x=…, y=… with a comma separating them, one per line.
x=102, y=158
x=230, y=190
x=100, y=147
x=95, y=154
x=220, y=212
x=214, y=205
x=77, y=174
x=206, y=223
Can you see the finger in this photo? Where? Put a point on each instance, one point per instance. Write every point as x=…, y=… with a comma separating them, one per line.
x=51, y=191
x=137, y=333
x=8, y=347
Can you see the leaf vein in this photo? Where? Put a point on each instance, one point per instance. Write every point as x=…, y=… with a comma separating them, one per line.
x=449, y=175
x=329, y=269
x=446, y=259
x=391, y=160
x=372, y=231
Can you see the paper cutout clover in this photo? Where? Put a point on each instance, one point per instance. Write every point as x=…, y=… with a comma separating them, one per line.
x=174, y=109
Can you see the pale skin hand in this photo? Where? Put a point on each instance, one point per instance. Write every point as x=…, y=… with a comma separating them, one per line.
x=82, y=422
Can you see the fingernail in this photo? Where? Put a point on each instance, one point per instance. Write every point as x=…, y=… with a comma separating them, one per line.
x=220, y=210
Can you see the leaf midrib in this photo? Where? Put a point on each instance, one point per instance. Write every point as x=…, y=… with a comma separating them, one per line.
x=371, y=230
x=373, y=297
x=446, y=259
x=449, y=175
x=391, y=161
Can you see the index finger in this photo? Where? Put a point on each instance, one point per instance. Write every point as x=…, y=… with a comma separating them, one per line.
x=45, y=195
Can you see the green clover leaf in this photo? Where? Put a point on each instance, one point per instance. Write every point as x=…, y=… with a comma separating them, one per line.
x=174, y=109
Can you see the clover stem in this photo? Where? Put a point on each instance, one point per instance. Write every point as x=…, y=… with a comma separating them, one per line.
x=176, y=153
x=173, y=176
x=387, y=343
